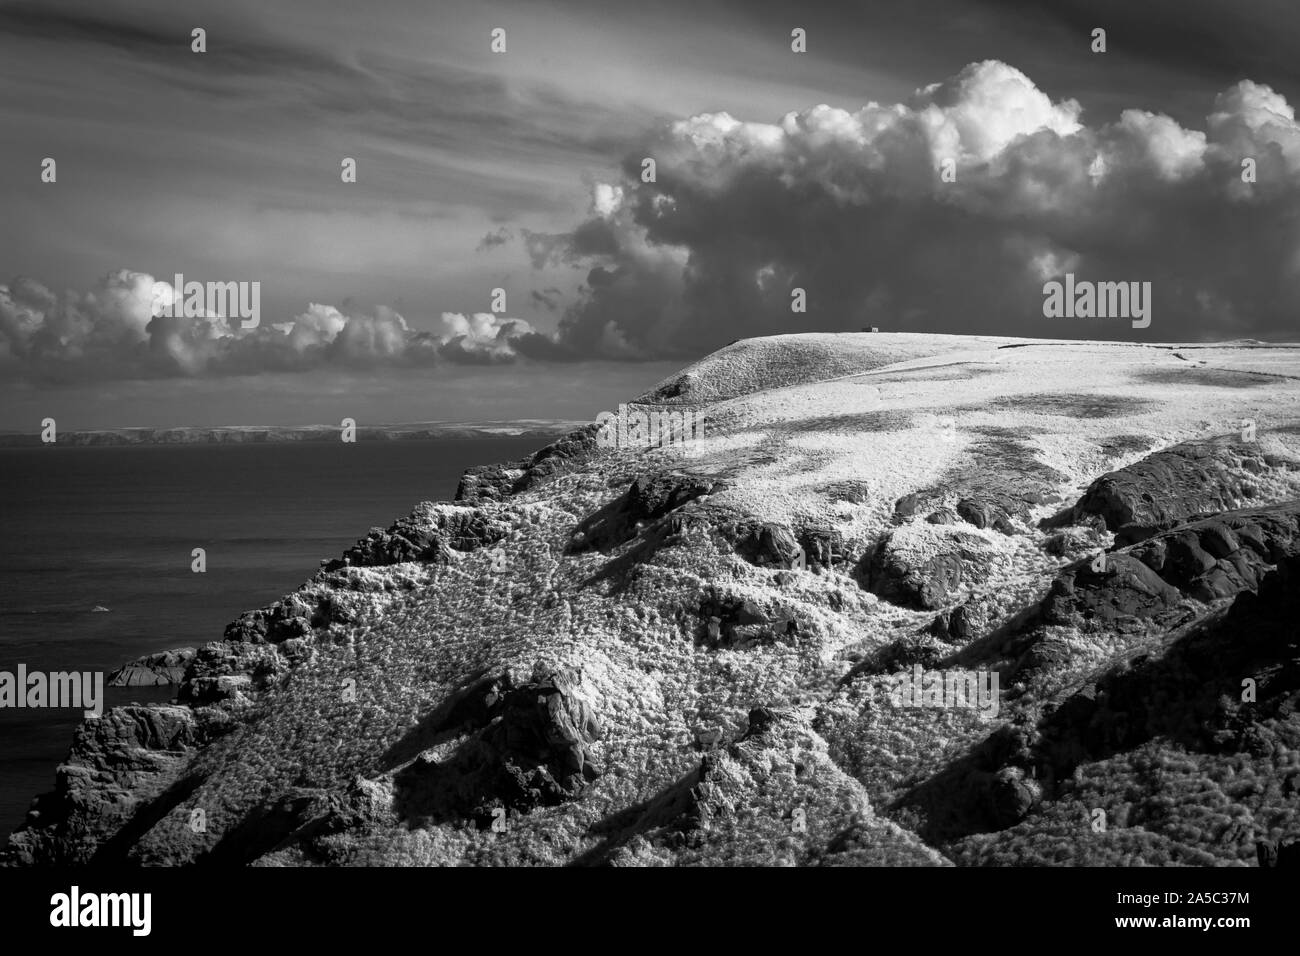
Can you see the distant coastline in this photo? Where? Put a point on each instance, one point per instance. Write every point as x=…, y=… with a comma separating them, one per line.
x=241, y=434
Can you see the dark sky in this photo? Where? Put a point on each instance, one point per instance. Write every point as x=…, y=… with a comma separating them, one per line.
x=521, y=170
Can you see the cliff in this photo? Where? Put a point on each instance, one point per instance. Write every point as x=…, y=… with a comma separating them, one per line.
x=693, y=654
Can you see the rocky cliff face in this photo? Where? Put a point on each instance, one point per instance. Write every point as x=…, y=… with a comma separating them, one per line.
x=697, y=654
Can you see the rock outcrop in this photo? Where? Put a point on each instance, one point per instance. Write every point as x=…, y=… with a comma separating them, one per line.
x=1230, y=684
x=1175, y=485
x=153, y=670
x=498, y=482
x=533, y=749
x=121, y=765
x=926, y=566
x=648, y=499
x=433, y=533
x=1165, y=581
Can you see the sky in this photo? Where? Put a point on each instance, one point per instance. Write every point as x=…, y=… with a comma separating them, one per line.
x=923, y=165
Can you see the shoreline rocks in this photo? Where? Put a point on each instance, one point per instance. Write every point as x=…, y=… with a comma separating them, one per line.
x=154, y=670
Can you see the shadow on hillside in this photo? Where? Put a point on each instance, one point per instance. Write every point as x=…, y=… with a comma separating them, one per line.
x=1192, y=696
x=1205, y=376
x=117, y=848
x=671, y=807
x=463, y=710
x=1064, y=405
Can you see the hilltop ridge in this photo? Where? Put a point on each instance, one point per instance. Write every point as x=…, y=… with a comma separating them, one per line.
x=690, y=654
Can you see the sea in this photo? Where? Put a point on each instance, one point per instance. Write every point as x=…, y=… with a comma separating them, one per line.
x=96, y=549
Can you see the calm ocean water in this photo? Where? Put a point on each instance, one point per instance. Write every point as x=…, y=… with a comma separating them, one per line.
x=114, y=527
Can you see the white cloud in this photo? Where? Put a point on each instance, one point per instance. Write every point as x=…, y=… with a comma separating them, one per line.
x=849, y=205
x=606, y=199
x=111, y=332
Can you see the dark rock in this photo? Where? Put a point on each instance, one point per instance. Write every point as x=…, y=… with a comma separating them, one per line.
x=727, y=620
x=652, y=496
x=954, y=626
x=1278, y=853
x=430, y=533
x=282, y=621
x=985, y=513
x=901, y=654
x=546, y=726
x=1072, y=542
x=906, y=507
x=497, y=482
x=985, y=791
x=153, y=670
x=1150, y=584
x=1219, y=541
x=647, y=500
x=823, y=547
x=1191, y=693
x=761, y=719
x=776, y=546
x=1220, y=556
x=118, y=764
x=534, y=751
x=490, y=482
x=1001, y=483
x=230, y=670
x=1173, y=486
x=1125, y=589
x=1184, y=556
x=933, y=583
x=1010, y=798
x=769, y=544
x=928, y=585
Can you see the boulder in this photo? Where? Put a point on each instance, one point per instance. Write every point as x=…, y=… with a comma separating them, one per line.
x=776, y=546
x=986, y=513
x=730, y=620
x=533, y=749
x=153, y=670
x=953, y=626
x=1122, y=590
x=926, y=566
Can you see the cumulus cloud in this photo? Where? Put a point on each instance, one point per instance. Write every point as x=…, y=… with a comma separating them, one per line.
x=945, y=213
x=482, y=338
x=112, y=332
x=854, y=208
